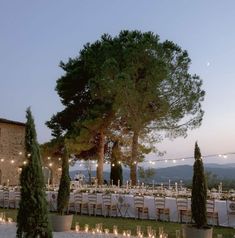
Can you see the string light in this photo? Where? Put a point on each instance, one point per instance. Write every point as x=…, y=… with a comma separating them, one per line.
x=153, y=162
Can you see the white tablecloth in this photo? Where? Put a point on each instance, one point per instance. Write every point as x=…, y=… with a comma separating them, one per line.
x=126, y=208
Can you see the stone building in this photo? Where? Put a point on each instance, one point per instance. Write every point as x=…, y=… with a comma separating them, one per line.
x=12, y=155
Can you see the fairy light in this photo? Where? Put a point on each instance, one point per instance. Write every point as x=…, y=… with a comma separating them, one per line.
x=153, y=162
x=2, y=160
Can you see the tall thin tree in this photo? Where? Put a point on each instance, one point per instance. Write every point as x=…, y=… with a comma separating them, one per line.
x=32, y=218
x=199, y=191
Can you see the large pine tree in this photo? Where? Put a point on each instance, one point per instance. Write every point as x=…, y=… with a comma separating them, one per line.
x=32, y=218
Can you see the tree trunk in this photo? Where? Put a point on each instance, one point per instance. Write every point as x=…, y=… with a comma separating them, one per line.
x=99, y=170
x=134, y=153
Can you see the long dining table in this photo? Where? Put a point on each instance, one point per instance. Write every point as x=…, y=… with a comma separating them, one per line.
x=126, y=206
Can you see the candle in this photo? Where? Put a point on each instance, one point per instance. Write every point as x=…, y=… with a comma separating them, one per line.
x=169, y=186
x=176, y=187
x=86, y=228
x=77, y=227
x=115, y=230
x=112, y=182
x=118, y=183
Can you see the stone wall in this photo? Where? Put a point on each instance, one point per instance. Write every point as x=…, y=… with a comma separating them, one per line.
x=12, y=154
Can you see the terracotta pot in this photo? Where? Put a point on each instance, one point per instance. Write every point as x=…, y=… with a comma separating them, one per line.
x=61, y=222
x=190, y=231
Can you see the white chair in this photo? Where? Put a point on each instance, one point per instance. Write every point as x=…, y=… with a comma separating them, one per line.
x=161, y=209
x=140, y=209
x=93, y=205
x=79, y=204
x=109, y=206
x=184, y=212
x=211, y=212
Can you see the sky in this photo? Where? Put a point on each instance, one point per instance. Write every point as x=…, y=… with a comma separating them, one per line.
x=36, y=35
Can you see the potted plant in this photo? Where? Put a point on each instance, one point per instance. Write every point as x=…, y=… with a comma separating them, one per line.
x=63, y=221
x=199, y=229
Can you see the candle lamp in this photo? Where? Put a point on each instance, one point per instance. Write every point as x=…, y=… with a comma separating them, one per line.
x=115, y=230
x=86, y=228
x=77, y=227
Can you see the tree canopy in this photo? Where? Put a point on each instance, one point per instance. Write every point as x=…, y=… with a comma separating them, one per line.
x=131, y=81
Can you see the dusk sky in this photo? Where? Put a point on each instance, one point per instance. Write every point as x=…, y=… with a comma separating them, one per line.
x=36, y=35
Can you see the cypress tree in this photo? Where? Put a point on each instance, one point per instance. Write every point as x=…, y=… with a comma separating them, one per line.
x=64, y=188
x=199, y=191
x=116, y=173
x=32, y=218
x=116, y=167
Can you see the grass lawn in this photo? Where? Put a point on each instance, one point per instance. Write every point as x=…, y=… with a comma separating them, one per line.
x=130, y=224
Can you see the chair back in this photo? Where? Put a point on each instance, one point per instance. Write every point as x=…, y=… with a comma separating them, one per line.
x=182, y=204
x=159, y=202
x=78, y=197
x=92, y=198
x=106, y=199
x=5, y=195
x=139, y=201
x=210, y=205
x=17, y=196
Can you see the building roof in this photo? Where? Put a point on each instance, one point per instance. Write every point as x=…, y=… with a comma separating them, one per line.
x=2, y=120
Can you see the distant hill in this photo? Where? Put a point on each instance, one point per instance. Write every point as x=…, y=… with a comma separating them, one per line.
x=177, y=173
